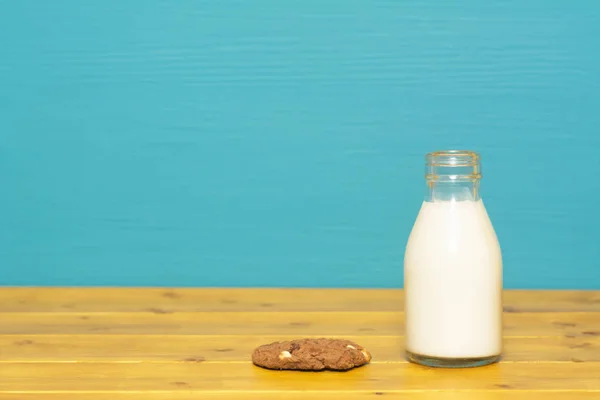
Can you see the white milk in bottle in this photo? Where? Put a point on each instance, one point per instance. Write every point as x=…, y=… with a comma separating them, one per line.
x=453, y=270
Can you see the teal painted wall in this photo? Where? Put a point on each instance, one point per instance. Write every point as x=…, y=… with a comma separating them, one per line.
x=281, y=143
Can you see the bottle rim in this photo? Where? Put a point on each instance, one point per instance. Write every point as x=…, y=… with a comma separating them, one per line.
x=453, y=158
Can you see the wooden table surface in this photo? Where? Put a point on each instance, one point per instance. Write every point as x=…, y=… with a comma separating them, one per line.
x=111, y=344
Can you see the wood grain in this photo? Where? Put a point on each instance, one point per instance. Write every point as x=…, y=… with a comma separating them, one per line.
x=317, y=395
x=269, y=323
x=224, y=348
x=246, y=377
x=163, y=344
x=24, y=299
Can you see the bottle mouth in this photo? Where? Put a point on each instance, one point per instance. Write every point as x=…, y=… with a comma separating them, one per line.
x=453, y=158
x=452, y=165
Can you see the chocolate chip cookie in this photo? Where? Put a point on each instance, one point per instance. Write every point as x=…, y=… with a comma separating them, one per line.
x=311, y=355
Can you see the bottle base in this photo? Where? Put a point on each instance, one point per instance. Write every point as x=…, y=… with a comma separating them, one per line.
x=441, y=362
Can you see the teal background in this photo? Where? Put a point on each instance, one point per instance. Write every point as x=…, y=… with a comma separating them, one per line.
x=281, y=143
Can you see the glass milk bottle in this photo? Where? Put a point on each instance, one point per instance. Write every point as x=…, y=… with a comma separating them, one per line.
x=453, y=270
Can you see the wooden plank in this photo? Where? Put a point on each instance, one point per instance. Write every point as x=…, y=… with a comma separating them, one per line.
x=202, y=299
x=274, y=323
x=314, y=395
x=243, y=377
x=221, y=348
x=26, y=299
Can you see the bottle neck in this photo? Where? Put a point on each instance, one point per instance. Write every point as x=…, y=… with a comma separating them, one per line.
x=452, y=175
x=452, y=190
